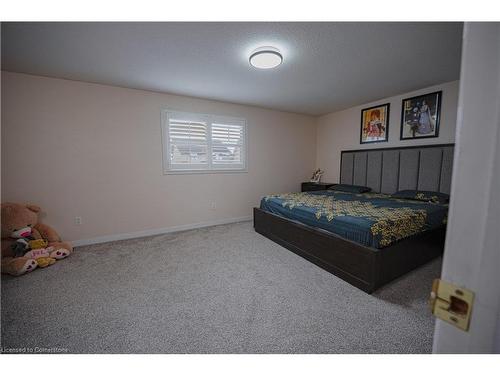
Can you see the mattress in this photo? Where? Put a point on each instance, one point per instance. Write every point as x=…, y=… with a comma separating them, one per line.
x=372, y=220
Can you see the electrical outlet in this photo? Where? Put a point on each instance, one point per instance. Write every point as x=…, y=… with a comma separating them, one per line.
x=78, y=220
x=213, y=205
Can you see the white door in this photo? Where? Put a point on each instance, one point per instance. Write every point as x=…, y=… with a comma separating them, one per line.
x=472, y=250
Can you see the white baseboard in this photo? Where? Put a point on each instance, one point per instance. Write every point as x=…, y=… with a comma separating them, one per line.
x=153, y=232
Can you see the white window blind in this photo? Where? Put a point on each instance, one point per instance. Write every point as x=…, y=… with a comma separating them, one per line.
x=203, y=143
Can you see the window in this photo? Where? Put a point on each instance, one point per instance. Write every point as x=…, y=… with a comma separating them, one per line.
x=203, y=143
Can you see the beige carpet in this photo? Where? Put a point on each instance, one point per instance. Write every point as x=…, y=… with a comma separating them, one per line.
x=223, y=289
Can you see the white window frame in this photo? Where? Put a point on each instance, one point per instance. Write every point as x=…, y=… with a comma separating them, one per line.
x=209, y=119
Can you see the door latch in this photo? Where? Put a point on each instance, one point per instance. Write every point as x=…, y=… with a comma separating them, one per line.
x=451, y=303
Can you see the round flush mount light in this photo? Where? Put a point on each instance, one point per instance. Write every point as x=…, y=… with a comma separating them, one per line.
x=266, y=58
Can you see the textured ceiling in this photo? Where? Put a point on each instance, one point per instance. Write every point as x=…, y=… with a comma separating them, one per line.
x=327, y=66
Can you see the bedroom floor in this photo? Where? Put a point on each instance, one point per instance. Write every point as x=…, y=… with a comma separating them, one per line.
x=223, y=289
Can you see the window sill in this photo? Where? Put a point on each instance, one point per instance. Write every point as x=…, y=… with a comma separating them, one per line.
x=213, y=171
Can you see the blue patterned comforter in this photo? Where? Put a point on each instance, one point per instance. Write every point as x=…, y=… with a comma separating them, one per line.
x=373, y=220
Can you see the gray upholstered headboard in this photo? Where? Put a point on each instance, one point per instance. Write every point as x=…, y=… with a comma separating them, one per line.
x=388, y=170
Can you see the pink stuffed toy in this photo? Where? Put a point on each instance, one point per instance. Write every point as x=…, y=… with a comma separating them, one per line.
x=39, y=253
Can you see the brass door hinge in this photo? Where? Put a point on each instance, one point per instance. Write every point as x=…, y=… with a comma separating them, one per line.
x=451, y=303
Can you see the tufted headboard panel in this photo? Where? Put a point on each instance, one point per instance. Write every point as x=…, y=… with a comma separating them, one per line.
x=388, y=170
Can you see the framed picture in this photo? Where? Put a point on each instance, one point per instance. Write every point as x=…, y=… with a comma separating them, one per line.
x=420, y=116
x=375, y=124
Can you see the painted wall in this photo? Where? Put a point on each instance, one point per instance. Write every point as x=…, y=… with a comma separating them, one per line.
x=340, y=130
x=471, y=255
x=89, y=150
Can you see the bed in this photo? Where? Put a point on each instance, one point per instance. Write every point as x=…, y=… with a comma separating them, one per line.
x=367, y=239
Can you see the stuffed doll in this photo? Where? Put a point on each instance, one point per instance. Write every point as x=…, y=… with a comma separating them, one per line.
x=18, y=266
x=20, y=222
x=45, y=262
x=39, y=253
x=20, y=247
x=25, y=242
x=38, y=244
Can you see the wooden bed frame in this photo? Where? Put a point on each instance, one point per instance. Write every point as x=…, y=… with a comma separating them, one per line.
x=364, y=267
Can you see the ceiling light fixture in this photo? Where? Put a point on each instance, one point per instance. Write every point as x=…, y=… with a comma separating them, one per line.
x=266, y=58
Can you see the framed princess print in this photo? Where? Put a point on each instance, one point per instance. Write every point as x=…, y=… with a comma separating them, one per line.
x=420, y=116
x=375, y=124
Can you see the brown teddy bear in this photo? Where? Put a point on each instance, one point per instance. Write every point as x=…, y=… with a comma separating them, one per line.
x=19, y=226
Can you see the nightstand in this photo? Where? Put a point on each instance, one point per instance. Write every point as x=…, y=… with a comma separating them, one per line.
x=315, y=186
